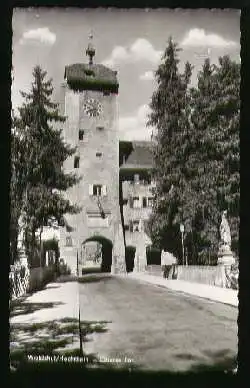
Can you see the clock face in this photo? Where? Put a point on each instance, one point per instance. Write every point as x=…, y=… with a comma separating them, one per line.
x=92, y=108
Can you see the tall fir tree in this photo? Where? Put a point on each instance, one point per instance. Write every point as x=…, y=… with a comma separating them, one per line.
x=18, y=183
x=196, y=155
x=215, y=118
x=46, y=153
x=170, y=117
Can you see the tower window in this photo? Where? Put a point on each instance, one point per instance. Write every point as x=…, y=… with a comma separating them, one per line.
x=136, y=202
x=81, y=134
x=136, y=226
x=98, y=154
x=97, y=190
x=76, y=161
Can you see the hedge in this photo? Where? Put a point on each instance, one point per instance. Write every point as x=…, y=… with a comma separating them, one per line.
x=153, y=256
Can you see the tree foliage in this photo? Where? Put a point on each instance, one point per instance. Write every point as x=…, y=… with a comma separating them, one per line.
x=41, y=158
x=196, y=154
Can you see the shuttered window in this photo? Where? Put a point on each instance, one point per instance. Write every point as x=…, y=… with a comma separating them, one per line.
x=98, y=190
x=104, y=190
x=90, y=189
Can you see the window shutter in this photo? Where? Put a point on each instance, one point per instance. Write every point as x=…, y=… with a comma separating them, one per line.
x=90, y=189
x=104, y=190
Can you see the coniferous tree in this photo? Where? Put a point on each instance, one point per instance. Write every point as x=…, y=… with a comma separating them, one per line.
x=18, y=183
x=215, y=118
x=196, y=155
x=45, y=153
x=171, y=119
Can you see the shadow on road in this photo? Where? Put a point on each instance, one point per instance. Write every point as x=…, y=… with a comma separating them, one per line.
x=94, y=278
x=51, y=338
x=19, y=307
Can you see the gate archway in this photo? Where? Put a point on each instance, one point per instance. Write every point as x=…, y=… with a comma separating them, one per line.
x=106, y=253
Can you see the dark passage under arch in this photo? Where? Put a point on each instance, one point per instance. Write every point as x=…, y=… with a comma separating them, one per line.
x=107, y=248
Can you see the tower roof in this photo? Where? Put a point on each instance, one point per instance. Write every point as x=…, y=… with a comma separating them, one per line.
x=82, y=76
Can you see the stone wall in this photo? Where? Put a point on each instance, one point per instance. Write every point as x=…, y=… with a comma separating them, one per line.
x=199, y=274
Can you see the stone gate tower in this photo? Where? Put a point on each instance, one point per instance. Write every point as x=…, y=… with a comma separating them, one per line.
x=90, y=106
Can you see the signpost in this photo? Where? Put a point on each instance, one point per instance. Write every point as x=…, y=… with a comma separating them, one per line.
x=182, y=242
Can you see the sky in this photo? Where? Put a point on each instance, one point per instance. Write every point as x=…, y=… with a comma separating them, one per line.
x=129, y=41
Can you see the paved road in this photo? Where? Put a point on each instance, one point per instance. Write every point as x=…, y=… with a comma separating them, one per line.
x=157, y=328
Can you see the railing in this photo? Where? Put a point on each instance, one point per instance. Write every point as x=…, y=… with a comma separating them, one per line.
x=19, y=279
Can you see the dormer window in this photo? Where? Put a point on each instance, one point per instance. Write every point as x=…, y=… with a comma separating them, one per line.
x=76, y=161
x=81, y=134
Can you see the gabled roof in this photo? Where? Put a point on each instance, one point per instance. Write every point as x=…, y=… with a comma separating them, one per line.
x=141, y=156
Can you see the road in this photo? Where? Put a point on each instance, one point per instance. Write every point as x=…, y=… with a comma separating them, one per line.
x=156, y=328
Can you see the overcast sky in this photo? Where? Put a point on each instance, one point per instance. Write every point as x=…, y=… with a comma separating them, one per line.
x=130, y=41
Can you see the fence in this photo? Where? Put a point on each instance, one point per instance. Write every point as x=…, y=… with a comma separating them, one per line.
x=23, y=279
x=19, y=278
x=218, y=275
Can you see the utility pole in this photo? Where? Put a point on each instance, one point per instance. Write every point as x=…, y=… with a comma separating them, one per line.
x=182, y=242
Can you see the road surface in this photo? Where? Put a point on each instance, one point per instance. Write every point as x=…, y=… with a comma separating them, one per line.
x=155, y=328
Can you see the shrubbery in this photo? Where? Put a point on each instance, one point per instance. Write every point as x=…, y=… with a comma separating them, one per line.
x=153, y=256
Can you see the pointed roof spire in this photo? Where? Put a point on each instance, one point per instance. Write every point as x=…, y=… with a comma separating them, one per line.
x=90, y=52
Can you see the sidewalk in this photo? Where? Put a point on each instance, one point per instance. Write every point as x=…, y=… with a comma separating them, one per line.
x=217, y=294
x=62, y=297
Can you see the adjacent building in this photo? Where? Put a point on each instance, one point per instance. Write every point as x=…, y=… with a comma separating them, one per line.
x=136, y=159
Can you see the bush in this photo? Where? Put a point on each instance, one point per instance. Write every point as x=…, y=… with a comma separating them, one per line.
x=153, y=256
x=130, y=258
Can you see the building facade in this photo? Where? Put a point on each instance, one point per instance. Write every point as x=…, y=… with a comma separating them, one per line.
x=89, y=95
x=137, y=194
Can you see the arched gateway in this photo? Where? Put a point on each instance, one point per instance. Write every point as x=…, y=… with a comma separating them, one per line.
x=89, y=102
x=96, y=253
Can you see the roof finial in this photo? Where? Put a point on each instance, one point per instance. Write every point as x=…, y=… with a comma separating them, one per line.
x=90, y=49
